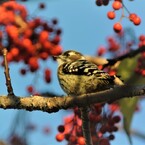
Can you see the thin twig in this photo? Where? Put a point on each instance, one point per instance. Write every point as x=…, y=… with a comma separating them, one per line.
x=126, y=8
x=7, y=75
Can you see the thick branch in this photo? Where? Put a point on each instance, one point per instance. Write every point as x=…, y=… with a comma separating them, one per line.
x=56, y=103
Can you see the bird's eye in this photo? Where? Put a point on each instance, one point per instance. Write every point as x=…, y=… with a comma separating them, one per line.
x=67, y=54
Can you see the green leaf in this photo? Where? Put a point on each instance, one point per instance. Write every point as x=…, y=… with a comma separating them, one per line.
x=127, y=106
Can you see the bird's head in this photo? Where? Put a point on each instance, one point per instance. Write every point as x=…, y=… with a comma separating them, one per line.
x=69, y=56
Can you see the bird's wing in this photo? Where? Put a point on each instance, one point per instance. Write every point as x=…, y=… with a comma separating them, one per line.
x=83, y=67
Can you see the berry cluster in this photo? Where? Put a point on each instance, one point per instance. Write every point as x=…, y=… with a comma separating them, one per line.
x=71, y=131
x=117, y=5
x=112, y=46
x=28, y=40
x=103, y=124
x=140, y=68
x=120, y=43
x=102, y=127
x=141, y=40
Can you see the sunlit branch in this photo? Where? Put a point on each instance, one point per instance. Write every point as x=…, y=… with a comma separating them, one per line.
x=49, y=104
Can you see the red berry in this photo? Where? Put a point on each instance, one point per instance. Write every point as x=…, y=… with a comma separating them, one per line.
x=23, y=71
x=143, y=43
x=100, y=67
x=58, y=31
x=9, y=57
x=28, y=33
x=1, y=35
x=142, y=37
x=104, y=141
x=67, y=136
x=117, y=27
x=43, y=55
x=114, y=128
x=112, y=72
x=98, y=109
x=98, y=118
x=116, y=119
x=61, y=128
x=81, y=141
x=47, y=74
x=54, y=21
x=14, y=51
x=73, y=139
x=137, y=20
x=37, y=21
x=101, y=50
x=30, y=89
x=43, y=36
x=56, y=50
x=26, y=42
x=60, y=137
x=47, y=45
x=105, y=2
x=41, y=5
x=33, y=63
x=132, y=16
x=111, y=137
x=103, y=129
x=99, y=2
x=56, y=39
x=116, y=5
x=143, y=72
x=110, y=122
x=111, y=15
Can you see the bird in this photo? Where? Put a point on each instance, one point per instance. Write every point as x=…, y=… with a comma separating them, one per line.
x=78, y=76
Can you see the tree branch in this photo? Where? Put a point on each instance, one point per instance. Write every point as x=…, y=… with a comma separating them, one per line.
x=109, y=62
x=130, y=54
x=54, y=104
x=7, y=74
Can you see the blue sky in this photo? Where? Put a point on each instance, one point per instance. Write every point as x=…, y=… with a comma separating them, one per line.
x=85, y=27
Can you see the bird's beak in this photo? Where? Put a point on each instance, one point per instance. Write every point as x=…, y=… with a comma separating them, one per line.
x=55, y=57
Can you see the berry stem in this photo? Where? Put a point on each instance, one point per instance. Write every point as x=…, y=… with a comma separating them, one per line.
x=125, y=8
x=122, y=15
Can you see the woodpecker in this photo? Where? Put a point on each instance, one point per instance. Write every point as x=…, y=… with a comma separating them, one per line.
x=79, y=76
